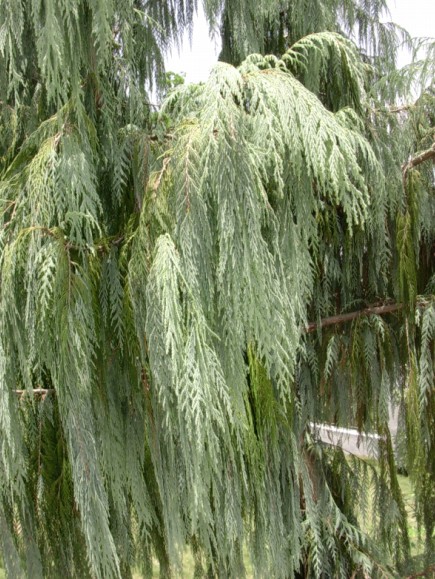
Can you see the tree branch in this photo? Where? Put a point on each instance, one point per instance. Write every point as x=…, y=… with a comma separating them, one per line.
x=400, y=108
x=160, y=175
x=429, y=569
x=417, y=160
x=378, y=310
x=35, y=392
x=342, y=318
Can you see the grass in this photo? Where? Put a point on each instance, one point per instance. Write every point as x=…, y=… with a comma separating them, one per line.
x=415, y=565
x=189, y=567
x=417, y=562
x=408, y=497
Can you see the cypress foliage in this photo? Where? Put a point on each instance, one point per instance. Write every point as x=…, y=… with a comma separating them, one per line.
x=167, y=280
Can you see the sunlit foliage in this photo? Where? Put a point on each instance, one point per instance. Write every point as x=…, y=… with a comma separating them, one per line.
x=162, y=272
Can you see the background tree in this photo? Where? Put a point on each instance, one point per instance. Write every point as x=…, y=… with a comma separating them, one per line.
x=182, y=299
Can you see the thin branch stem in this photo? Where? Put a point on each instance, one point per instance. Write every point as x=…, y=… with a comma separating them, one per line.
x=35, y=392
x=430, y=569
x=400, y=108
x=160, y=175
x=417, y=160
x=342, y=318
x=395, y=109
x=378, y=310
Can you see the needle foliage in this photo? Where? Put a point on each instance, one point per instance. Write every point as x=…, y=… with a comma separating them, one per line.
x=161, y=275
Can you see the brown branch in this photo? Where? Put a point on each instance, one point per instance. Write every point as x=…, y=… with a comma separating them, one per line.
x=417, y=160
x=378, y=310
x=342, y=318
x=400, y=109
x=394, y=109
x=160, y=175
x=35, y=391
x=159, y=138
x=430, y=569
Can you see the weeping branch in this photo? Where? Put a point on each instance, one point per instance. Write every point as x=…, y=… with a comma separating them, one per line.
x=96, y=287
x=312, y=327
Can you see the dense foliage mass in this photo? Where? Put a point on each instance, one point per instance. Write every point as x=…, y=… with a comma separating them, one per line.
x=185, y=294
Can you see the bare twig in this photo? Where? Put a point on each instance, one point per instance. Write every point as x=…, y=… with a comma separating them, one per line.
x=417, y=160
x=35, y=392
x=400, y=108
x=430, y=569
x=348, y=317
x=160, y=174
x=395, y=109
x=157, y=138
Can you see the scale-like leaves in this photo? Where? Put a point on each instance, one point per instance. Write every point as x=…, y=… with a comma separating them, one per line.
x=167, y=280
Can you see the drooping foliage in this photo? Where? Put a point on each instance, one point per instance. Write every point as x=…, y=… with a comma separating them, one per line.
x=167, y=281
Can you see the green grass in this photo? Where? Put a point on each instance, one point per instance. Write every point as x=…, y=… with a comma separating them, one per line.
x=189, y=567
x=409, y=499
x=417, y=562
x=415, y=565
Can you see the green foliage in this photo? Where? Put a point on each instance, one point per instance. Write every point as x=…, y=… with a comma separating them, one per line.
x=158, y=385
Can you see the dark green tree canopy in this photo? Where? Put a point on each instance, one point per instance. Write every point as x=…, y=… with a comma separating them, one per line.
x=185, y=294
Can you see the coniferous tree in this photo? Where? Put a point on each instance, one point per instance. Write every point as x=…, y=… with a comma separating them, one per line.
x=184, y=295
